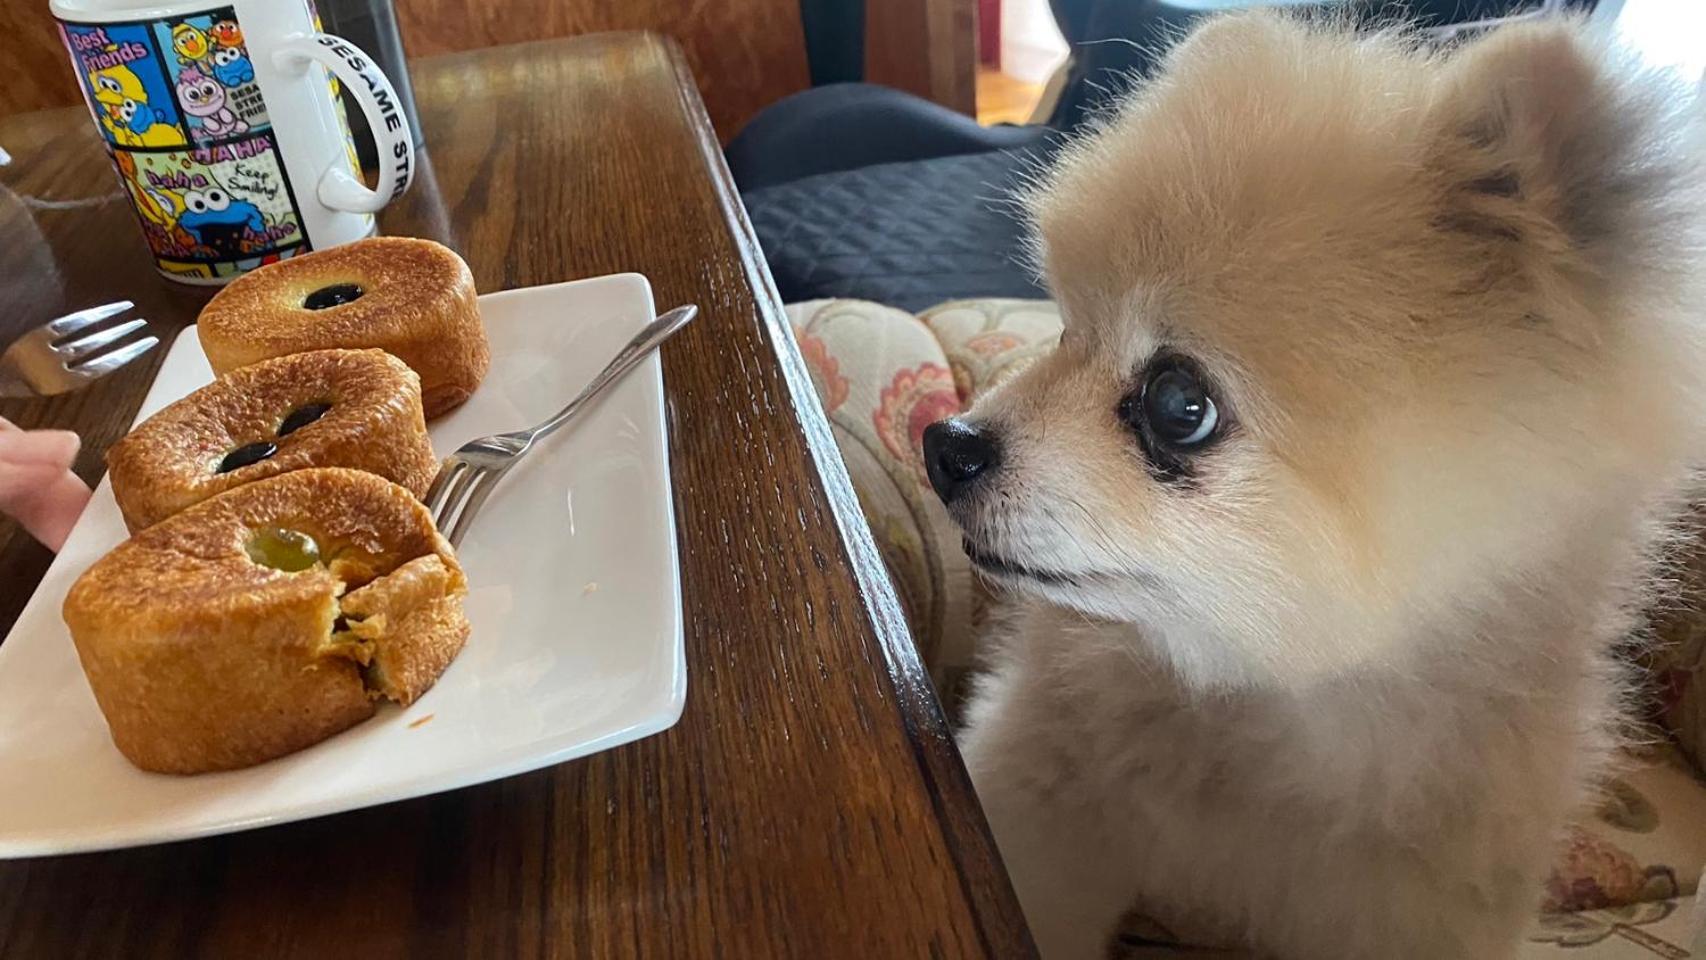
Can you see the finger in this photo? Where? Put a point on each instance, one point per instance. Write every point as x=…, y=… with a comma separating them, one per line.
x=22, y=482
x=46, y=500
x=56, y=447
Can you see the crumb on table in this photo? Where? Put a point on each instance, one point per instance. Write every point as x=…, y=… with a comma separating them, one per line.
x=422, y=720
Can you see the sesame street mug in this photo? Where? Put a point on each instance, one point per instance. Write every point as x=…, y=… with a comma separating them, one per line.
x=224, y=122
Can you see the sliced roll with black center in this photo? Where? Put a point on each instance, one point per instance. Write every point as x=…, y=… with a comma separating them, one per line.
x=267, y=619
x=327, y=408
x=413, y=298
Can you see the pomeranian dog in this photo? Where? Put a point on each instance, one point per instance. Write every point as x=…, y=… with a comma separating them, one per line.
x=1381, y=377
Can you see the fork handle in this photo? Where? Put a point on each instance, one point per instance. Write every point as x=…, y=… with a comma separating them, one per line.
x=644, y=342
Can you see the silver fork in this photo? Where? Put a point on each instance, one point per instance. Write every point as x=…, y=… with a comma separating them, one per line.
x=64, y=354
x=467, y=476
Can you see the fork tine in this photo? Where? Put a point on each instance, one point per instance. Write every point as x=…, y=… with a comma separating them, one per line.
x=107, y=363
x=93, y=343
x=454, y=497
x=445, y=517
x=439, y=493
x=73, y=322
x=485, y=483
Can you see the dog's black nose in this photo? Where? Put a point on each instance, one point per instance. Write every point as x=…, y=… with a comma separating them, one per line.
x=956, y=454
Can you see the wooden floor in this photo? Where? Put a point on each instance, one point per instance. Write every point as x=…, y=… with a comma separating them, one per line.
x=1003, y=99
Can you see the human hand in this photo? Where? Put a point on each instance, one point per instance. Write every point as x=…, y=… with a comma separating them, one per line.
x=37, y=486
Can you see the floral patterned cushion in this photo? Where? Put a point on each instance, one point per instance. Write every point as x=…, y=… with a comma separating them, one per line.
x=1642, y=931
x=882, y=378
x=883, y=375
x=989, y=340
x=1645, y=842
x=1679, y=658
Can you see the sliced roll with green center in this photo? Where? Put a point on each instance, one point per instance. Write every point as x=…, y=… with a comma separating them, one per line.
x=267, y=619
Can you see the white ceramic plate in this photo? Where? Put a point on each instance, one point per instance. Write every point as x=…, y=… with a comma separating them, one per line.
x=574, y=597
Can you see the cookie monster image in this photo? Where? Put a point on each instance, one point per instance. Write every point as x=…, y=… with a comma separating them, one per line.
x=231, y=66
x=220, y=222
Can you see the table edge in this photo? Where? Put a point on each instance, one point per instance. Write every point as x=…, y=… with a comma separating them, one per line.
x=965, y=831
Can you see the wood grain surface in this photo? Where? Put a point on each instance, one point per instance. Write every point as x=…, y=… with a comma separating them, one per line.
x=810, y=802
x=34, y=69
x=745, y=54
x=925, y=47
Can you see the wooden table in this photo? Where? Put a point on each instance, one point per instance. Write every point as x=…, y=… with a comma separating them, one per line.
x=809, y=803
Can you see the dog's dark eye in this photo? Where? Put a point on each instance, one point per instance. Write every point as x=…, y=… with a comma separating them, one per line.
x=1172, y=413
x=1177, y=408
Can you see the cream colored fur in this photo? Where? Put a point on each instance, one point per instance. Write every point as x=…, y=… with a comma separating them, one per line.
x=1335, y=695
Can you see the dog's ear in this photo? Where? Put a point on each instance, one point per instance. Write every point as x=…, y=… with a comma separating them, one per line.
x=1531, y=144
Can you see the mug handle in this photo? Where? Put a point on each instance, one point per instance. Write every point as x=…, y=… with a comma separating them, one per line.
x=395, y=141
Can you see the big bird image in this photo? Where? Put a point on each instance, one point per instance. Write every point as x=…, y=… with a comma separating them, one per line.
x=126, y=113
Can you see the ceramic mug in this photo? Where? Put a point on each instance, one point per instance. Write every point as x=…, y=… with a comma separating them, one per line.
x=225, y=125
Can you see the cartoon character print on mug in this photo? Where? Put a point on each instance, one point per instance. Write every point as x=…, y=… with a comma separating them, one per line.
x=214, y=210
x=126, y=90
x=179, y=101
x=212, y=75
x=189, y=134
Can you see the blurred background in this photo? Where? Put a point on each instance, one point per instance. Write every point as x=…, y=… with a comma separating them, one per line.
x=745, y=53
x=874, y=142
x=989, y=59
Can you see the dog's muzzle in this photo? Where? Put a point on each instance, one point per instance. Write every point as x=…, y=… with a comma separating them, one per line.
x=956, y=455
